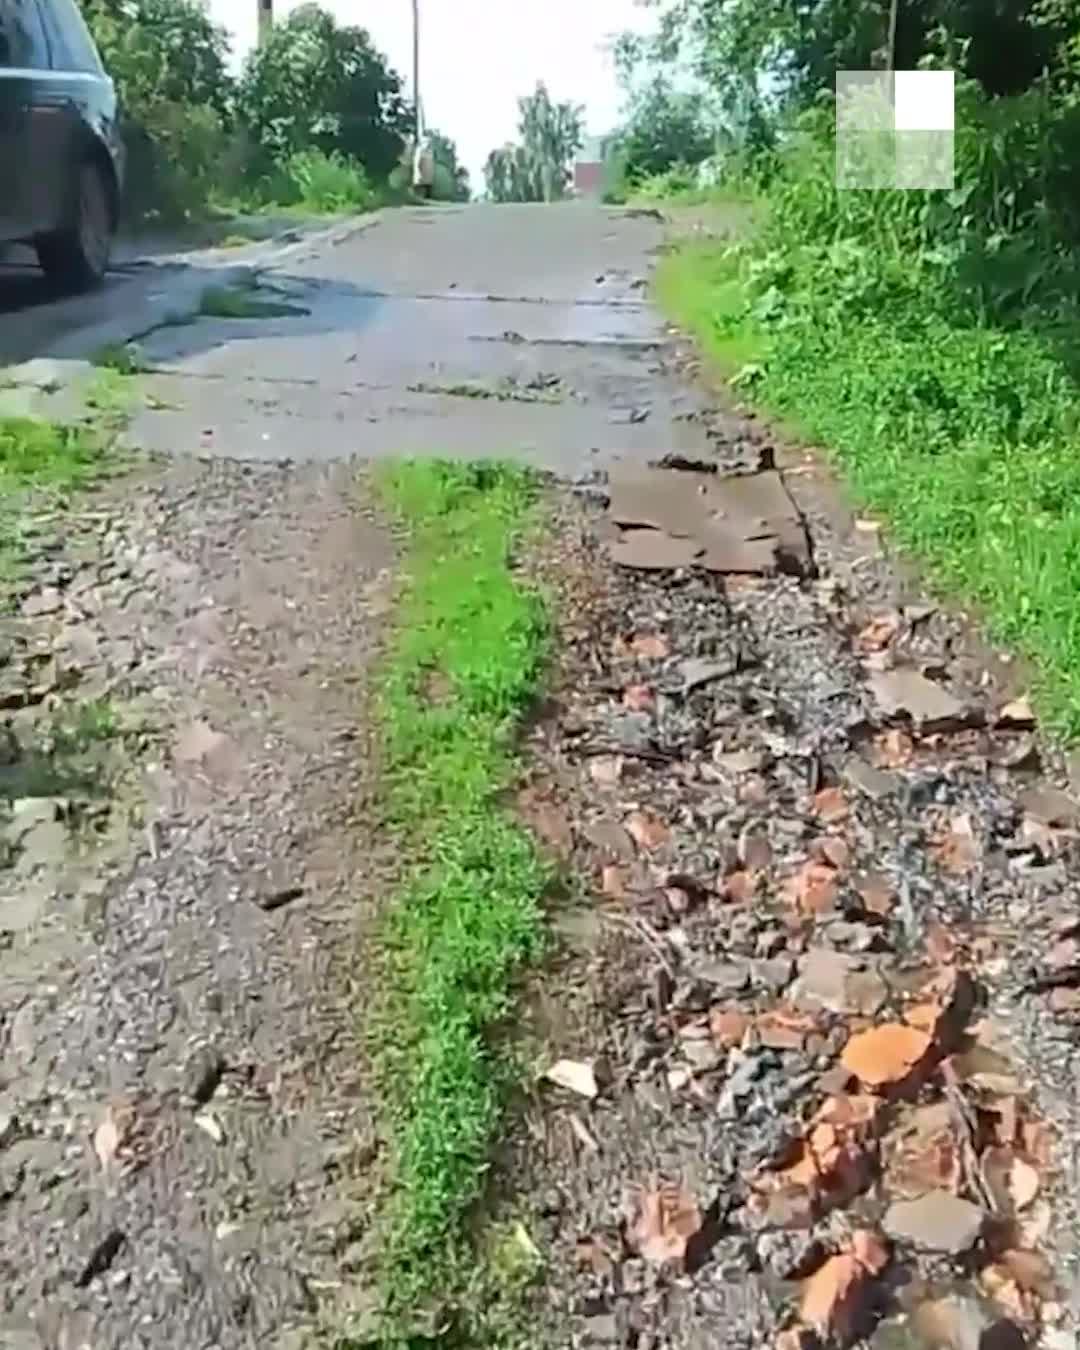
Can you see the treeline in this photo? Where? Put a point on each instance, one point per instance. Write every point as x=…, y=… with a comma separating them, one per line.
x=316, y=117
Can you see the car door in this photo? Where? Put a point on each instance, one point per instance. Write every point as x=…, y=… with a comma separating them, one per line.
x=47, y=189
x=73, y=99
x=14, y=121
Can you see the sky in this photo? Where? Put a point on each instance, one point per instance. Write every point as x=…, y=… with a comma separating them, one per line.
x=479, y=56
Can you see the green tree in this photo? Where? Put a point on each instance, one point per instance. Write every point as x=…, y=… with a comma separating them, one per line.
x=315, y=85
x=537, y=169
x=1003, y=44
x=551, y=134
x=169, y=62
x=664, y=127
x=451, y=176
x=165, y=50
x=506, y=175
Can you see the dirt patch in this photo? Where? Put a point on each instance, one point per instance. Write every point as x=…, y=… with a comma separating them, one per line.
x=183, y=1101
x=831, y=1100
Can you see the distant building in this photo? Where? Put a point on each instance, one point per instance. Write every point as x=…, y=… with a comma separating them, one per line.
x=595, y=166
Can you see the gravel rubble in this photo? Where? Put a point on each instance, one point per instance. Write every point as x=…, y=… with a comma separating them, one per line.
x=184, y=1117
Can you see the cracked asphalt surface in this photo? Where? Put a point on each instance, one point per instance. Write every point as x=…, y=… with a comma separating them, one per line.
x=471, y=331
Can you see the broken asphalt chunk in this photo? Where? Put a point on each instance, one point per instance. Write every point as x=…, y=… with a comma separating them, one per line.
x=1052, y=807
x=836, y=982
x=904, y=692
x=873, y=783
x=653, y=551
x=673, y=518
x=573, y=1075
x=936, y=1222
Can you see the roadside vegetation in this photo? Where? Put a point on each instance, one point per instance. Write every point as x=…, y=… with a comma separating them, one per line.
x=316, y=121
x=929, y=340
x=42, y=464
x=465, y=666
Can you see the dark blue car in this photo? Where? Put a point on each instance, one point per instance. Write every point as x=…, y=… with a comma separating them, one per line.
x=61, y=158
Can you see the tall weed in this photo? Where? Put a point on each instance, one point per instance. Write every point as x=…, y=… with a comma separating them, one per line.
x=327, y=183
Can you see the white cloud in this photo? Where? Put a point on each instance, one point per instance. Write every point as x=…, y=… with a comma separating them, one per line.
x=479, y=56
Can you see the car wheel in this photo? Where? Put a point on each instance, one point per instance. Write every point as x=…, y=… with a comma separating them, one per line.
x=77, y=255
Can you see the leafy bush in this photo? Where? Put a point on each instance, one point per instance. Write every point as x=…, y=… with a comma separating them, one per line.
x=315, y=85
x=169, y=64
x=666, y=128
x=680, y=180
x=326, y=183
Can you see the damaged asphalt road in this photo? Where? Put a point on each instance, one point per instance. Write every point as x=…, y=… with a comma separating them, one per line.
x=825, y=960
x=470, y=332
x=187, y=1140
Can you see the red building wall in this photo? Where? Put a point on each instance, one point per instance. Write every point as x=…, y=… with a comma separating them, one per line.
x=589, y=178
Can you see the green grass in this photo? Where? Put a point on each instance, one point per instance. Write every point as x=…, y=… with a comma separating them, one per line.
x=39, y=454
x=41, y=465
x=239, y=302
x=963, y=435
x=122, y=357
x=466, y=662
x=700, y=286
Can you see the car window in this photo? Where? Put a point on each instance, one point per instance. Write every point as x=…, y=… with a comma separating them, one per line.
x=22, y=38
x=72, y=46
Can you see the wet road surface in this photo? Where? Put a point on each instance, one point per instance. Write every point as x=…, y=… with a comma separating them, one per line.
x=480, y=330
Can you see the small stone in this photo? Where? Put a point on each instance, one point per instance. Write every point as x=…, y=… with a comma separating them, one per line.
x=695, y=672
x=202, y=1076
x=74, y=1205
x=873, y=783
x=774, y=974
x=738, y=762
x=45, y=601
x=727, y=977
x=610, y=840
x=632, y=730
x=789, y=1254
x=703, y=1056
x=727, y=1026
x=876, y=893
x=754, y=849
x=603, y=1329
x=953, y=1323
x=935, y=1222
x=101, y=1257
x=838, y=982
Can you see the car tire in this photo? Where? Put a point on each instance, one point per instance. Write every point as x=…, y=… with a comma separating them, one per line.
x=77, y=256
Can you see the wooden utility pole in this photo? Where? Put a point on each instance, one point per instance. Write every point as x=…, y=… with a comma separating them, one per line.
x=265, y=10
x=416, y=67
x=890, y=55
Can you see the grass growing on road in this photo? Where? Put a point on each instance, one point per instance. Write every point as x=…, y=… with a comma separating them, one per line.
x=41, y=463
x=465, y=665
x=241, y=302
